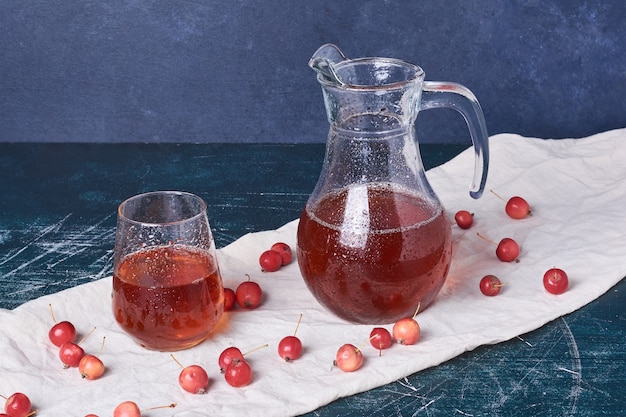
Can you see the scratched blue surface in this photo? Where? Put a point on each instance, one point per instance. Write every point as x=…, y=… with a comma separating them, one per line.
x=57, y=220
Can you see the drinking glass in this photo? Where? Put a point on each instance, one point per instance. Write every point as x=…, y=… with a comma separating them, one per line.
x=167, y=288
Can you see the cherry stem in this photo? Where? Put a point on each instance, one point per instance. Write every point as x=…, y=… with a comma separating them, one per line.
x=380, y=349
x=297, y=325
x=497, y=195
x=101, y=346
x=255, y=349
x=172, y=405
x=86, y=336
x=176, y=360
x=417, y=310
x=554, y=271
x=54, y=320
x=359, y=348
x=487, y=239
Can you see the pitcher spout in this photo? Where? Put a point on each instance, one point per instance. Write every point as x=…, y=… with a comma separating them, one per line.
x=324, y=60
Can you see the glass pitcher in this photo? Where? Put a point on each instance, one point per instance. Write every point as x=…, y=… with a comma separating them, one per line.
x=374, y=241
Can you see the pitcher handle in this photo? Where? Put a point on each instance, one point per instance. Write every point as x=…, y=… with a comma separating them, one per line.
x=455, y=96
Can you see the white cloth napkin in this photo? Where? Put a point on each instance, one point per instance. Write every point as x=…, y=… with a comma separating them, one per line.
x=577, y=190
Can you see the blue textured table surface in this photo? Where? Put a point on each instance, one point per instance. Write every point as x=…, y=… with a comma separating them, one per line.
x=57, y=224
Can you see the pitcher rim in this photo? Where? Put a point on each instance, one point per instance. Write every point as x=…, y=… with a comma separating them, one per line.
x=418, y=74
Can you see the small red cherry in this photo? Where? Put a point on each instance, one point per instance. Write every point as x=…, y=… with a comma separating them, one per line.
x=62, y=332
x=127, y=409
x=194, y=379
x=490, y=285
x=349, y=358
x=270, y=261
x=91, y=367
x=380, y=338
x=406, y=331
x=249, y=294
x=238, y=373
x=464, y=219
x=130, y=409
x=285, y=252
x=227, y=356
x=290, y=348
x=18, y=405
x=70, y=354
x=508, y=250
x=555, y=281
x=517, y=208
x=230, y=298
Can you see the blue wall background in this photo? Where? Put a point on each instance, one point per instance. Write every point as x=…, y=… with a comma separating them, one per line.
x=236, y=71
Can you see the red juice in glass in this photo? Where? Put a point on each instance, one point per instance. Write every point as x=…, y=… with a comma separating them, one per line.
x=168, y=297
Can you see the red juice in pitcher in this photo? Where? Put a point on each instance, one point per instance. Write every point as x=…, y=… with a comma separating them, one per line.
x=168, y=297
x=371, y=254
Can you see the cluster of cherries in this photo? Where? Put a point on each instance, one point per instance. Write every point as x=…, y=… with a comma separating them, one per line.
x=71, y=354
x=555, y=280
x=62, y=334
x=405, y=331
x=237, y=370
x=275, y=257
x=248, y=294
x=234, y=366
